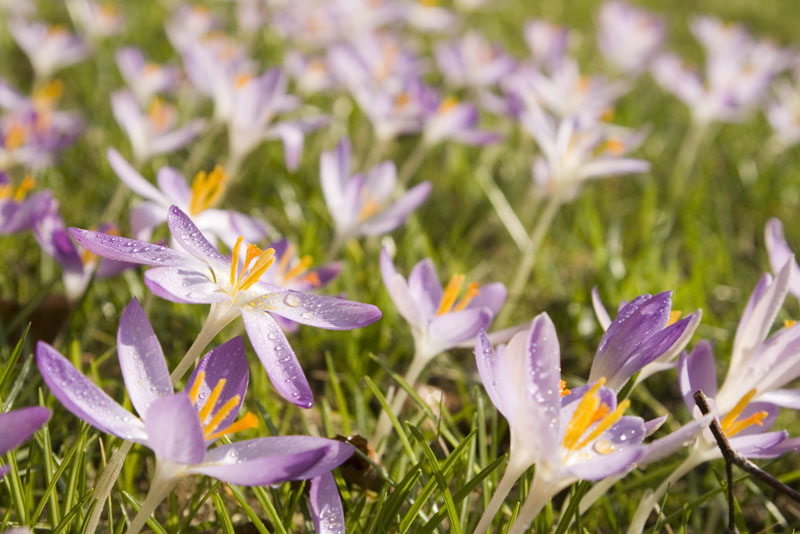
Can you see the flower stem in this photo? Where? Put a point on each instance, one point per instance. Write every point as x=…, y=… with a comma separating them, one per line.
x=162, y=484
x=396, y=402
x=540, y=494
x=412, y=163
x=648, y=502
x=687, y=155
x=513, y=471
x=214, y=324
x=529, y=256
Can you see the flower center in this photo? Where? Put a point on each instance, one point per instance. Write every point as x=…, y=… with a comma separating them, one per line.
x=256, y=263
x=45, y=96
x=451, y=291
x=242, y=80
x=15, y=135
x=562, y=388
x=207, y=189
x=290, y=268
x=160, y=114
x=206, y=412
x=369, y=205
x=731, y=426
x=591, y=410
x=447, y=105
x=18, y=194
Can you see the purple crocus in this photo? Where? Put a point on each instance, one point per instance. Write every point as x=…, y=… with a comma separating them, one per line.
x=359, y=204
x=568, y=435
x=48, y=48
x=153, y=132
x=645, y=337
x=547, y=42
x=472, y=61
x=197, y=200
x=202, y=275
x=449, y=119
x=18, y=211
x=17, y=426
x=629, y=37
x=144, y=78
x=779, y=253
x=179, y=427
x=96, y=21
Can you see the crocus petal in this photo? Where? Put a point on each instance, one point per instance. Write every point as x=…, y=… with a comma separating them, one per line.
x=175, y=139
x=19, y=425
x=491, y=296
x=317, y=310
x=494, y=373
x=423, y=282
x=697, y=372
x=393, y=216
x=786, y=398
x=604, y=466
x=277, y=357
x=229, y=362
x=405, y=302
x=174, y=431
x=135, y=181
x=130, y=250
x=263, y=461
x=141, y=359
x=326, y=505
x=229, y=225
x=599, y=310
x=767, y=409
x=663, y=447
x=192, y=240
x=185, y=285
x=334, y=169
x=780, y=253
x=84, y=399
x=174, y=186
x=541, y=378
x=144, y=218
x=761, y=445
x=454, y=327
x=651, y=426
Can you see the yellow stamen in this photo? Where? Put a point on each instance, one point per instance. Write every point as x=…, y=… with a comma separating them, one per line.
x=738, y=426
x=55, y=30
x=447, y=105
x=614, y=147
x=450, y=293
x=562, y=388
x=605, y=423
x=151, y=68
x=15, y=136
x=160, y=114
x=584, y=84
x=243, y=79
x=673, y=317
x=301, y=267
x=26, y=185
x=788, y=323
x=401, y=100
x=235, y=259
x=109, y=11
x=44, y=96
x=731, y=416
x=607, y=115
x=221, y=414
x=287, y=256
x=198, y=381
x=212, y=400
x=584, y=413
x=429, y=3
x=313, y=279
x=263, y=262
x=249, y=420
x=472, y=291
x=207, y=189
x=368, y=209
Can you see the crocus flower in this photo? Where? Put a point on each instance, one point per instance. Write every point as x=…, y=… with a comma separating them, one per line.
x=144, y=78
x=18, y=211
x=645, y=337
x=17, y=426
x=179, y=427
x=629, y=37
x=450, y=119
x=77, y=265
x=97, y=21
x=188, y=24
x=202, y=275
x=359, y=204
x=152, y=133
x=439, y=319
x=568, y=435
x=48, y=48
x=780, y=253
x=752, y=393
x=472, y=61
x=783, y=112
x=197, y=200
x=311, y=74
x=427, y=16
x=547, y=42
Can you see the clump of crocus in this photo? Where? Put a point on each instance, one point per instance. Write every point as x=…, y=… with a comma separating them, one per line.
x=203, y=275
x=48, y=48
x=629, y=37
x=179, y=427
x=17, y=426
x=18, y=211
x=574, y=435
x=144, y=78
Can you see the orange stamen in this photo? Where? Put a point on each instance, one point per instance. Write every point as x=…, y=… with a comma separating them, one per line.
x=472, y=291
x=731, y=416
x=447, y=105
x=212, y=400
x=450, y=293
x=221, y=414
x=198, y=381
x=583, y=416
x=605, y=423
x=249, y=420
x=755, y=419
x=673, y=317
x=562, y=388
x=207, y=189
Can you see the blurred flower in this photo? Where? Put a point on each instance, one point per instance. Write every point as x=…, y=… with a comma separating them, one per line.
x=439, y=320
x=449, y=119
x=18, y=211
x=780, y=253
x=144, y=78
x=311, y=73
x=738, y=72
x=154, y=132
x=472, y=61
x=428, y=16
x=783, y=112
x=96, y=20
x=179, y=427
x=568, y=435
x=197, y=200
x=17, y=426
x=78, y=266
x=359, y=203
x=629, y=37
x=645, y=337
x=188, y=23
x=48, y=48
x=547, y=42
x=202, y=275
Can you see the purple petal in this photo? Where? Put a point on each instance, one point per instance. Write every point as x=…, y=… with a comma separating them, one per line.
x=684, y=436
x=135, y=181
x=604, y=466
x=651, y=426
x=785, y=398
x=229, y=225
x=542, y=364
x=491, y=296
x=144, y=369
x=780, y=253
x=84, y=399
x=763, y=445
x=130, y=250
x=183, y=284
x=423, y=282
x=19, y=425
x=277, y=357
x=453, y=328
x=174, y=186
x=494, y=373
x=396, y=214
x=599, y=310
x=771, y=411
x=697, y=372
x=316, y=310
x=174, y=431
x=229, y=362
x=263, y=461
x=326, y=505
x=405, y=302
x=192, y=240
x=334, y=170
x=144, y=218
